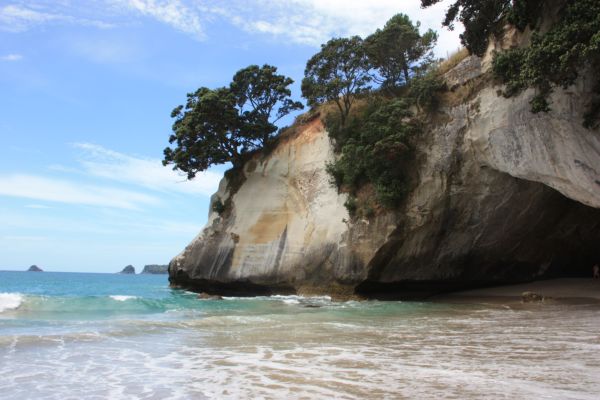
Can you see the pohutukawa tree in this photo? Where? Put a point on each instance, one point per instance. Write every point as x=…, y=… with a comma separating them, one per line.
x=207, y=131
x=263, y=98
x=217, y=126
x=338, y=73
x=481, y=17
x=398, y=51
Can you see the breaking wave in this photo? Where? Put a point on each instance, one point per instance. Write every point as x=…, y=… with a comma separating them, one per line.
x=10, y=301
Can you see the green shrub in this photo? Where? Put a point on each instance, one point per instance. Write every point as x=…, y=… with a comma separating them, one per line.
x=374, y=147
x=556, y=57
x=424, y=91
x=218, y=206
x=351, y=205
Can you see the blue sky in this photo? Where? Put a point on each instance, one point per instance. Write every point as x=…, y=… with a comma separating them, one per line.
x=86, y=91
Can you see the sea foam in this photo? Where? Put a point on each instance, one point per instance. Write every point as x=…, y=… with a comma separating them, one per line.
x=118, y=297
x=10, y=301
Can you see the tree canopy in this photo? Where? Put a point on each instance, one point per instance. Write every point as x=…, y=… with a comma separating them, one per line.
x=207, y=131
x=259, y=93
x=217, y=126
x=337, y=73
x=556, y=57
x=399, y=49
x=481, y=17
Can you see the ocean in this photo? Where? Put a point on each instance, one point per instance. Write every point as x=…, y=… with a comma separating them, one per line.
x=110, y=336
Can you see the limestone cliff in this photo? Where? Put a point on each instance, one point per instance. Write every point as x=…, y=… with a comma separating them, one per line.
x=501, y=195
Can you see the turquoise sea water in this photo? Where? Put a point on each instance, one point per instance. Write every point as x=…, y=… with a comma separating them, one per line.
x=101, y=336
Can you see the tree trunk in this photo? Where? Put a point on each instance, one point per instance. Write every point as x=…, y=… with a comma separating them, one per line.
x=406, y=76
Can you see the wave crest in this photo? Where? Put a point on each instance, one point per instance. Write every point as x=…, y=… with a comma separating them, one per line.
x=10, y=301
x=119, y=297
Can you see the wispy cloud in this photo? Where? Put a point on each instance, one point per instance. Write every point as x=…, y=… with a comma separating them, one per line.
x=171, y=12
x=18, y=18
x=14, y=18
x=11, y=57
x=64, y=191
x=307, y=22
x=149, y=173
x=104, y=170
x=312, y=22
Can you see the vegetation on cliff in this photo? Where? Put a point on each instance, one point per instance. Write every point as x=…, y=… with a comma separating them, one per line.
x=482, y=18
x=338, y=73
x=373, y=149
x=221, y=125
x=388, y=72
x=385, y=74
x=555, y=57
x=379, y=89
x=398, y=51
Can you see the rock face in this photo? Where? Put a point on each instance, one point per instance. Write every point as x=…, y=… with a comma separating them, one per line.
x=35, y=268
x=128, y=270
x=502, y=196
x=155, y=269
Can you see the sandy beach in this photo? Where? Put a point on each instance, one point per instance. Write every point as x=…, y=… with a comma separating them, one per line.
x=568, y=290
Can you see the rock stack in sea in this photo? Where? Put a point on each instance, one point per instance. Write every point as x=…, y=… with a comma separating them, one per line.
x=155, y=269
x=128, y=270
x=35, y=268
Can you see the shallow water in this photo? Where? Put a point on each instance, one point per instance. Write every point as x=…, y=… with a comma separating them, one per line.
x=90, y=336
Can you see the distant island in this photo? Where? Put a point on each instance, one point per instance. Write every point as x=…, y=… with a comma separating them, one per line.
x=155, y=269
x=35, y=268
x=128, y=270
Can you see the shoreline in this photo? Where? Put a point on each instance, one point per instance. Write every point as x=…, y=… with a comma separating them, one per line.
x=553, y=291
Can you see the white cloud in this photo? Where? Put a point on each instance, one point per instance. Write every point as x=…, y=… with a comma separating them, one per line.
x=16, y=18
x=146, y=172
x=308, y=22
x=11, y=57
x=171, y=12
x=50, y=189
x=313, y=22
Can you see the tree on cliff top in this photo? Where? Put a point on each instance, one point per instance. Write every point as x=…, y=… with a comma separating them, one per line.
x=337, y=73
x=399, y=49
x=208, y=131
x=259, y=93
x=481, y=17
x=556, y=58
x=217, y=126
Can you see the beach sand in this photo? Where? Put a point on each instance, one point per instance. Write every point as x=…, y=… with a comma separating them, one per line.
x=564, y=290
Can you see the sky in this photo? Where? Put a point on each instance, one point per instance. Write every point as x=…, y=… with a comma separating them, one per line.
x=86, y=92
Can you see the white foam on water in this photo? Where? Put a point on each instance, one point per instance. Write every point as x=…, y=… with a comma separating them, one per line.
x=10, y=301
x=425, y=351
x=119, y=297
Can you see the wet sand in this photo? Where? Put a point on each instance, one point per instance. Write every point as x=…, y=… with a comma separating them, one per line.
x=564, y=290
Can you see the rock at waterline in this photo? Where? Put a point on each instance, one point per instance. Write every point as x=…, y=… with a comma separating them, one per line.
x=128, y=270
x=206, y=296
x=35, y=268
x=532, y=297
